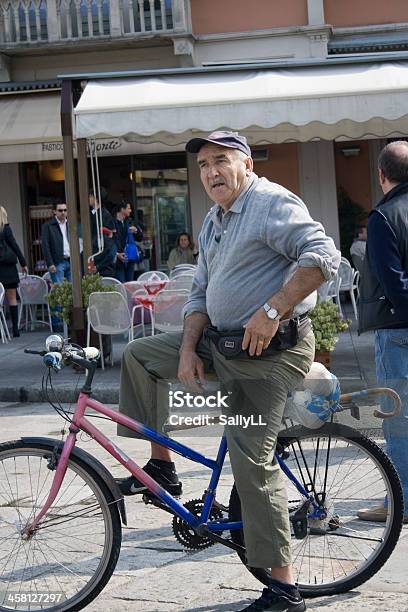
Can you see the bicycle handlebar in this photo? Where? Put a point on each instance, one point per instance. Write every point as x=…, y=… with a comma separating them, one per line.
x=53, y=359
x=349, y=397
x=81, y=361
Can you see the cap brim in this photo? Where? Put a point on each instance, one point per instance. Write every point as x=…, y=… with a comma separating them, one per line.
x=195, y=144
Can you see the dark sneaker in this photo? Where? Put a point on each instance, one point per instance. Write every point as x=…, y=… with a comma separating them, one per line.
x=163, y=473
x=275, y=598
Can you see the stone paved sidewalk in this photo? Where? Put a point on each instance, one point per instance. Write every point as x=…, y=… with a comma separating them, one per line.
x=155, y=574
x=20, y=374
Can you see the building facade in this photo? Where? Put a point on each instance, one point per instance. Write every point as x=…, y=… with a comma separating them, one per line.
x=40, y=41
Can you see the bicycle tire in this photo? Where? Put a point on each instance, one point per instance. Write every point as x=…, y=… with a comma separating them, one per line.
x=393, y=525
x=83, y=510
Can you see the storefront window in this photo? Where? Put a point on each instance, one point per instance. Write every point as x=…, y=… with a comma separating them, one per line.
x=161, y=192
x=155, y=185
x=44, y=186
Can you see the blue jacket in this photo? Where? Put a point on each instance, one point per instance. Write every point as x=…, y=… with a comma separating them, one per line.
x=384, y=285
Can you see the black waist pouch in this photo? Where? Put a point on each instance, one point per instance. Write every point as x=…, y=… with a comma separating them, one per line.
x=229, y=343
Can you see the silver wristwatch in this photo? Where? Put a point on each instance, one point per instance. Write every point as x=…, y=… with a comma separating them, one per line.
x=271, y=312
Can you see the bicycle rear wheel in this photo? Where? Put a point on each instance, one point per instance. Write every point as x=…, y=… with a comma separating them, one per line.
x=345, y=471
x=71, y=556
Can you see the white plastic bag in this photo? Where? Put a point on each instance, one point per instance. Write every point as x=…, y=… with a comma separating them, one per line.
x=314, y=403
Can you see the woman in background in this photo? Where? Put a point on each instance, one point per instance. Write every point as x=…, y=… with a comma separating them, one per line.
x=185, y=251
x=9, y=254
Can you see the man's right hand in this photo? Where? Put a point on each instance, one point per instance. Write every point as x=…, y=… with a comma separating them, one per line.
x=52, y=269
x=191, y=370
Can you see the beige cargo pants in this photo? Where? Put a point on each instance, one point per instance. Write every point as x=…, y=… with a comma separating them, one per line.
x=259, y=387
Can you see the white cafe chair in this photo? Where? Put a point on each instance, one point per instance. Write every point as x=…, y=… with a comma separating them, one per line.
x=330, y=290
x=33, y=291
x=131, y=287
x=349, y=282
x=115, y=284
x=183, y=269
x=182, y=281
x=108, y=314
x=146, y=276
x=167, y=312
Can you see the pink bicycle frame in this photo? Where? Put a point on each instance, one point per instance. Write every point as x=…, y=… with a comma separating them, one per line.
x=81, y=423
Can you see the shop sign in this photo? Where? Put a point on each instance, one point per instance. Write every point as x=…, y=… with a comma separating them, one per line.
x=44, y=151
x=102, y=146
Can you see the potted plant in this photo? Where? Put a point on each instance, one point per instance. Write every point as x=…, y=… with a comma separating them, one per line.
x=326, y=323
x=61, y=296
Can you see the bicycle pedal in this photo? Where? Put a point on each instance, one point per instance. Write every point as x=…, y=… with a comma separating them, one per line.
x=150, y=498
x=220, y=506
x=300, y=528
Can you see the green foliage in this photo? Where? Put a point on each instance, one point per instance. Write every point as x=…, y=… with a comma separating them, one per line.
x=351, y=215
x=61, y=295
x=326, y=323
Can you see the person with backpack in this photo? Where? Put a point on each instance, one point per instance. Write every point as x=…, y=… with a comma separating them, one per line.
x=9, y=254
x=126, y=236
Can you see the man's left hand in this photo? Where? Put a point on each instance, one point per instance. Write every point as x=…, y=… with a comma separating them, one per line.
x=259, y=331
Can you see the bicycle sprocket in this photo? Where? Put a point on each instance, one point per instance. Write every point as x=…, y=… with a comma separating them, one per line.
x=186, y=534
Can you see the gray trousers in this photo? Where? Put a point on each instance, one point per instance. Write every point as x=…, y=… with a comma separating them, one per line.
x=256, y=387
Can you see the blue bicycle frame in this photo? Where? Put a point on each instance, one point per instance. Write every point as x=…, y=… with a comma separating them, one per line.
x=80, y=422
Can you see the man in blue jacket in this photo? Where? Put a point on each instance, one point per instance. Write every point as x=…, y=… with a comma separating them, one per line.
x=384, y=303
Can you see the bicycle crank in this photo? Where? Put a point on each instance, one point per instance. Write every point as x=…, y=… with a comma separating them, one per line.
x=186, y=535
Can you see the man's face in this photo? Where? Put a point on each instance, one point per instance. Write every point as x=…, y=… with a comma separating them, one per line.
x=223, y=172
x=93, y=202
x=61, y=212
x=127, y=211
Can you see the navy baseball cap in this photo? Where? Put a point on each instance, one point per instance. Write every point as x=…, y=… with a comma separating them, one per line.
x=232, y=140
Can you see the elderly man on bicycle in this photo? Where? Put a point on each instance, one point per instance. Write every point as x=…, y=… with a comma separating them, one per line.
x=261, y=259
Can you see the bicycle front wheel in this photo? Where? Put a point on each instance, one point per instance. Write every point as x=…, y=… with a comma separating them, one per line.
x=344, y=471
x=69, y=559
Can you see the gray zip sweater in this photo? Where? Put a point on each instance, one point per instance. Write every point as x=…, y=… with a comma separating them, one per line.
x=250, y=252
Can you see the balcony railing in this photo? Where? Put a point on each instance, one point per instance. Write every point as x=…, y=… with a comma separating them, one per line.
x=31, y=22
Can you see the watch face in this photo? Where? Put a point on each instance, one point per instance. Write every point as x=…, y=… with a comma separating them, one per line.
x=271, y=312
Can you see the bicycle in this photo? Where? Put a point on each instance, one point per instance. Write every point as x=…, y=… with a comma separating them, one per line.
x=61, y=511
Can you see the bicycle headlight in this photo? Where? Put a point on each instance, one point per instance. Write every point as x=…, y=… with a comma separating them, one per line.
x=54, y=343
